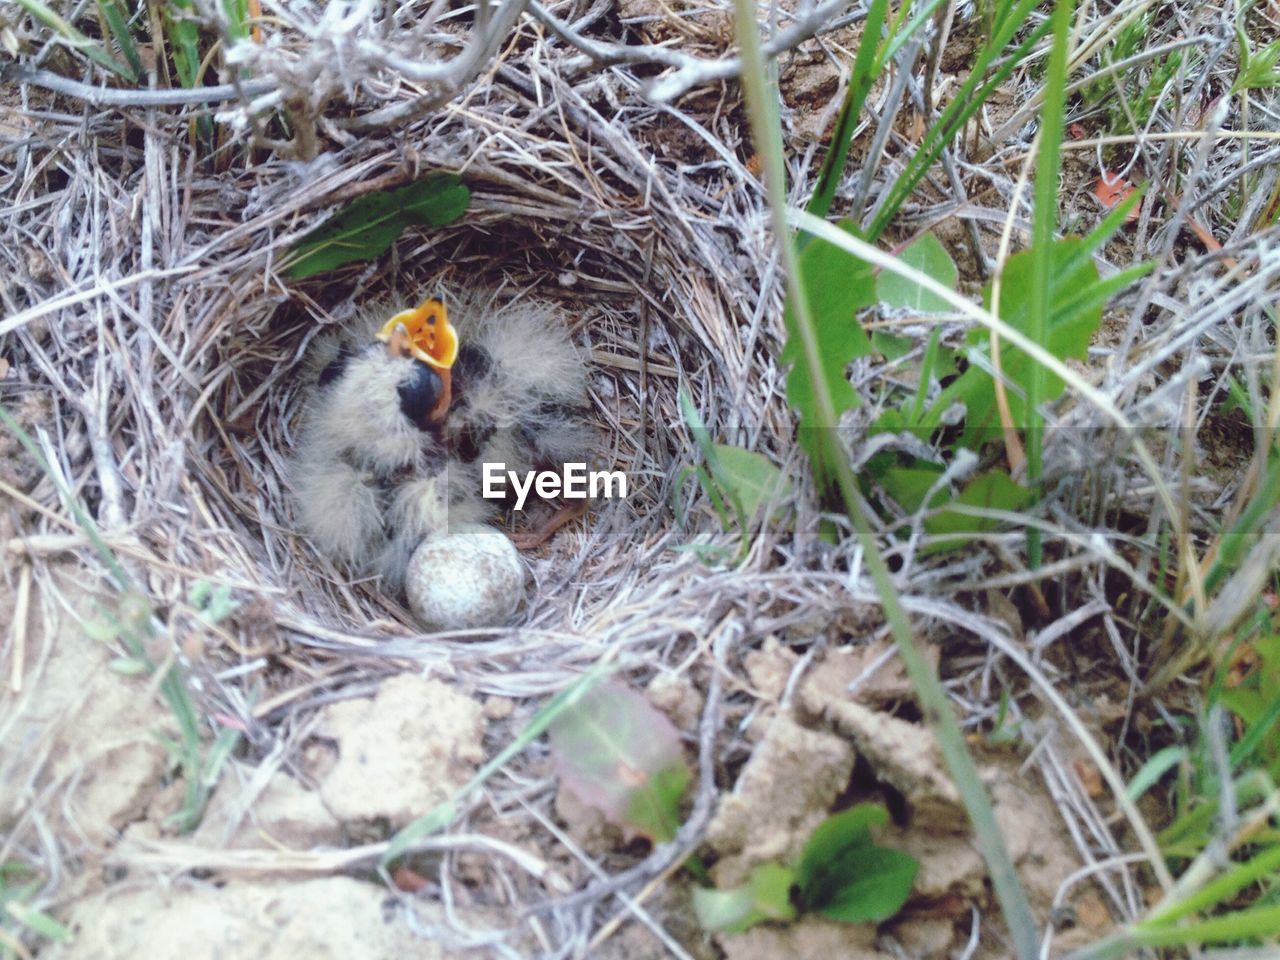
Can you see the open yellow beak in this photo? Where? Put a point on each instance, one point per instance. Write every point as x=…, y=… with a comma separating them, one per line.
x=431, y=338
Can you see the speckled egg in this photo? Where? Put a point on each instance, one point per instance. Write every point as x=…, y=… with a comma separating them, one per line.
x=468, y=578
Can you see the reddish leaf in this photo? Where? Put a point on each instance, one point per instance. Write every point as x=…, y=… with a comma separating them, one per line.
x=621, y=756
x=408, y=880
x=1111, y=189
x=1076, y=132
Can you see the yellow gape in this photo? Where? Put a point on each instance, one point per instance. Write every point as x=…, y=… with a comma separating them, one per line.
x=431, y=338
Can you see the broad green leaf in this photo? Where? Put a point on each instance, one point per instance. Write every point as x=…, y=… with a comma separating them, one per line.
x=874, y=887
x=750, y=479
x=992, y=491
x=930, y=257
x=910, y=485
x=836, y=285
x=837, y=837
x=1068, y=336
x=844, y=876
x=367, y=227
x=767, y=896
x=891, y=345
x=618, y=754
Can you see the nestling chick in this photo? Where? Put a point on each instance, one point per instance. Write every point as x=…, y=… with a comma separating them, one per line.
x=400, y=419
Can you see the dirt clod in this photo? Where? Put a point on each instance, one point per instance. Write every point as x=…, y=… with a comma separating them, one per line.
x=783, y=793
x=336, y=918
x=400, y=753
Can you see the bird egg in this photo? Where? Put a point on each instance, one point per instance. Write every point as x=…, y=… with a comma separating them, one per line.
x=468, y=578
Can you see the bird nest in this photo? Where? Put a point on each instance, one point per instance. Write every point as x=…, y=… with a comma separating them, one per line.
x=174, y=353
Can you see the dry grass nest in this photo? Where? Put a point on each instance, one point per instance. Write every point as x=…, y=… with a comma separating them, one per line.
x=144, y=303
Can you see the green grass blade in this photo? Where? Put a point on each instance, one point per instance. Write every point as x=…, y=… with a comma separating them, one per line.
x=1157, y=766
x=860, y=81
x=966, y=101
x=1265, y=865
x=173, y=686
x=184, y=39
x=117, y=21
x=74, y=38
x=1044, y=224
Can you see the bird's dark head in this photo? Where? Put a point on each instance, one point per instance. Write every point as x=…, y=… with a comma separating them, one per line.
x=423, y=395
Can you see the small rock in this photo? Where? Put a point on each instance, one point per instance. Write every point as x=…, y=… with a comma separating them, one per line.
x=468, y=578
x=409, y=748
x=769, y=668
x=677, y=698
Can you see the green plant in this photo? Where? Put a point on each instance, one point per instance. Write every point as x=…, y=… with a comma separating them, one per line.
x=1227, y=890
x=841, y=875
x=443, y=813
x=367, y=227
x=762, y=107
x=1125, y=99
x=76, y=40
x=1257, y=67
x=18, y=884
x=743, y=487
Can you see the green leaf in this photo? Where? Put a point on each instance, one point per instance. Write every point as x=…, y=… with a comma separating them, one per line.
x=766, y=896
x=910, y=485
x=750, y=479
x=875, y=888
x=991, y=491
x=367, y=227
x=930, y=257
x=836, y=285
x=890, y=345
x=837, y=836
x=1071, y=327
x=844, y=876
x=37, y=922
x=618, y=754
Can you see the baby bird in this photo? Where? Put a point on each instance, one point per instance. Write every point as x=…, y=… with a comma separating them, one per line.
x=403, y=413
